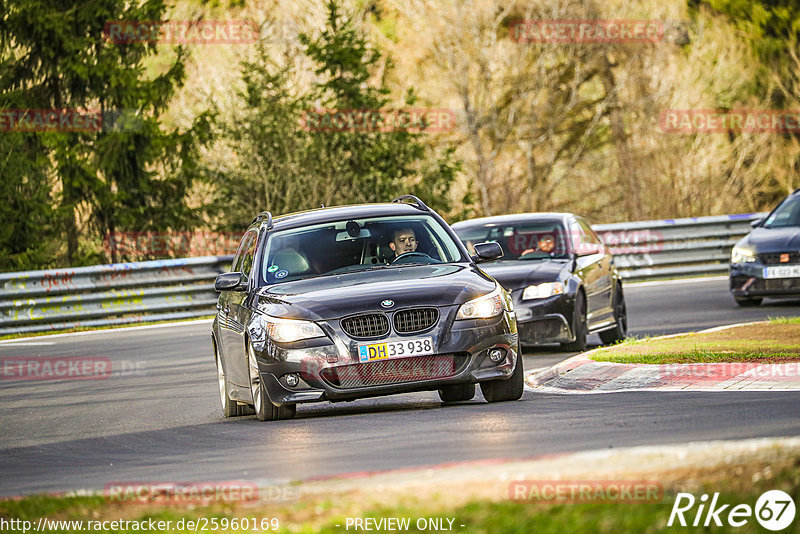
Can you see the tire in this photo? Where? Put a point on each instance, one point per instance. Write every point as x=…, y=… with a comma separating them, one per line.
x=457, y=393
x=620, y=330
x=510, y=389
x=264, y=409
x=578, y=326
x=229, y=407
x=746, y=302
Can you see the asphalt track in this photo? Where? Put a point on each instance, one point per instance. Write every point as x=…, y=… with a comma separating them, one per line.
x=157, y=417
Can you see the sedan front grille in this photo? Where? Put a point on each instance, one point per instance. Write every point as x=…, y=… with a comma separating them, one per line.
x=543, y=330
x=395, y=371
x=776, y=284
x=415, y=320
x=366, y=326
x=774, y=258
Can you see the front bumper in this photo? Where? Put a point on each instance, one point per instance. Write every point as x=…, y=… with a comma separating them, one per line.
x=544, y=321
x=329, y=369
x=747, y=280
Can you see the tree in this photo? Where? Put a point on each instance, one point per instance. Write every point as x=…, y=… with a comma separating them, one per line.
x=130, y=177
x=284, y=161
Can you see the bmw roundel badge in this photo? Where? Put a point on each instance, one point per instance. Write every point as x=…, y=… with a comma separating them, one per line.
x=387, y=303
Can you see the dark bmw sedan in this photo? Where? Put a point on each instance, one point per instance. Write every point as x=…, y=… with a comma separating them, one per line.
x=766, y=262
x=562, y=279
x=342, y=303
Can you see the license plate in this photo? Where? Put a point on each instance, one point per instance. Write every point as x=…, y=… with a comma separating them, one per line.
x=395, y=349
x=782, y=271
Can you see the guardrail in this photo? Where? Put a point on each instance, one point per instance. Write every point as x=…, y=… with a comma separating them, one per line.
x=671, y=248
x=105, y=295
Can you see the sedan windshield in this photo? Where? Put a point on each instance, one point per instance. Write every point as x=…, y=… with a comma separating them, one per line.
x=535, y=240
x=787, y=214
x=356, y=245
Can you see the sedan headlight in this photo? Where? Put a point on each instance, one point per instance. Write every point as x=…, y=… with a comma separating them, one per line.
x=280, y=330
x=484, y=307
x=542, y=291
x=742, y=255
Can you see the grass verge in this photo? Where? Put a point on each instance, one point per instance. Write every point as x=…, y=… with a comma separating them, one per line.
x=739, y=481
x=774, y=341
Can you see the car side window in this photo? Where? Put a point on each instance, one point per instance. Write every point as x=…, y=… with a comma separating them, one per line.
x=237, y=258
x=587, y=234
x=249, y=254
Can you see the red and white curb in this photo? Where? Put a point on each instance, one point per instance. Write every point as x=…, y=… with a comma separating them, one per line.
x=581, y=374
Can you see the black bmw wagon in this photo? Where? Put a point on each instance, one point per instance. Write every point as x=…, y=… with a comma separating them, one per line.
x=342, y=303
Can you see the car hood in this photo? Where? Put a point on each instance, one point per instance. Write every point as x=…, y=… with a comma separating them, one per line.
x=335, y=296
x=768, y=240
x=522, y=273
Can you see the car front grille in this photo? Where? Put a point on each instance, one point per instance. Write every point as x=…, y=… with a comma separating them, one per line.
x=542, y=331
x=366, y=326
x=395, y=371
x=774, y=258
x=776, y=284
x=415, y=320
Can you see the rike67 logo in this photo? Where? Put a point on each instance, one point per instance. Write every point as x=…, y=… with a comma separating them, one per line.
x=774, y=510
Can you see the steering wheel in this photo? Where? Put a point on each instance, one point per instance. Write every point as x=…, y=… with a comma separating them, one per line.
x=403, y=258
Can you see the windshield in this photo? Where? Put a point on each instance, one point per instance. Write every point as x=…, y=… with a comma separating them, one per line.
x=786, y=214
x=520, y=241
x=356, y=245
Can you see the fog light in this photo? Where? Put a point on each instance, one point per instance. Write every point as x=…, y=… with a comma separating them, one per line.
x=496, y=355
x=292, y=380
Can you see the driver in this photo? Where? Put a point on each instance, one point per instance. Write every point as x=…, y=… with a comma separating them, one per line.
x=404, y=241
x=547, y=244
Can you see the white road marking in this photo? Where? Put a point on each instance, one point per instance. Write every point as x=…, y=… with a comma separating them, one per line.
x=109, y=330
x=679, y=281
x=15, y=344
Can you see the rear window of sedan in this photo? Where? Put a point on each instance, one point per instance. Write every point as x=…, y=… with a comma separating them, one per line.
x=520, y=241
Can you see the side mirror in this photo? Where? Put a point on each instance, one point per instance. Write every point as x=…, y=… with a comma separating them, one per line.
x=588, y=249
x=756, y=223
x=230, y=282
x=491, y=250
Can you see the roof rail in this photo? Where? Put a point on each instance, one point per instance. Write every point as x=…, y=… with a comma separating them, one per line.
x=261, y=216
x=417, y=202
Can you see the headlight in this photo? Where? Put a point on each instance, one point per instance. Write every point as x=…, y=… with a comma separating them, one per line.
x=484, y=307
x=742, y=255
x=542, y=291
x=288, y=330
x=280, y=330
